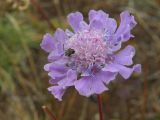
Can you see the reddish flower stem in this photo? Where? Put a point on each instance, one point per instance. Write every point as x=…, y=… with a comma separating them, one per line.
x=100, y=107
x=46, y=110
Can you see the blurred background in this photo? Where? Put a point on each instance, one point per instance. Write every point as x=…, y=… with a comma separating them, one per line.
x=23, y=82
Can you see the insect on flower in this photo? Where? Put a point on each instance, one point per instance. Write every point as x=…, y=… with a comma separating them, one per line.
x=87, y=58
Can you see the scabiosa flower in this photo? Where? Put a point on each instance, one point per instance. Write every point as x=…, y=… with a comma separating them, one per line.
x=89, y=58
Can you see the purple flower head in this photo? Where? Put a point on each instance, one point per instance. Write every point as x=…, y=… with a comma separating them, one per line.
x=87, y=58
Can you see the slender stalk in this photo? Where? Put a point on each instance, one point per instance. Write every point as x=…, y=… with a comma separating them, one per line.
x=46, y=110
x=100, y=107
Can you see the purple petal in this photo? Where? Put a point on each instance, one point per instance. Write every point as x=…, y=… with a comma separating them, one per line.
x=84, y=25
x=47, y=43
x=69, y=33
x=137, y=68
x=69, y=79
x=124, y=57
x=56, y=74
x=111, y=25
x=56, y=70
x=54, y=81
x=54, y=55
x=57, y=53
x=96, y=24
x=74, y=20
x=56, y=78
x=115, y=46
x=59, y=38
x=59, y=65
x=106, y=76
x=97, y=15
x=98, y=19
x=127, y=23
x=125, y=72
x=47, y=66
x=60, y=35
x=110, y=68
x=90, y=85
x=57, y=91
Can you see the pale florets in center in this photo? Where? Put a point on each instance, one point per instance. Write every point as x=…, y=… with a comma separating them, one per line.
x=88, y=48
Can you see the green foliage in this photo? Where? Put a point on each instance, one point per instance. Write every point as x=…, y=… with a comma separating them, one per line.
x=12, y=38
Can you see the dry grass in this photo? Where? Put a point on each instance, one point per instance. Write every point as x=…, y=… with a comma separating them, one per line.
x=23, y=82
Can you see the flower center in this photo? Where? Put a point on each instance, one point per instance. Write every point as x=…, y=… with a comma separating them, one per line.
x=88, y=48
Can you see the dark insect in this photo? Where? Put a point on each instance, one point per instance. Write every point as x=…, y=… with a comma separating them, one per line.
x=69, y=52
x=79, y=76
